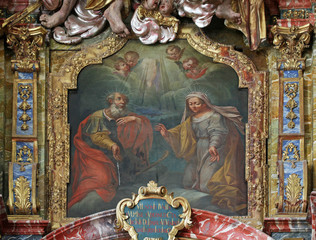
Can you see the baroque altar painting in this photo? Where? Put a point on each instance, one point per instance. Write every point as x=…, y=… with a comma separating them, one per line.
x=152, y=113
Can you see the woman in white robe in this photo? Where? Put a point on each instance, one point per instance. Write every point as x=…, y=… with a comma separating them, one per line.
x=209, y=139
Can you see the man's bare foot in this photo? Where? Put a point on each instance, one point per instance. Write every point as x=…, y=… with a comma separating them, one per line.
x=58, y=17
x=225, y=11
x=113, y=15
x=54, y=20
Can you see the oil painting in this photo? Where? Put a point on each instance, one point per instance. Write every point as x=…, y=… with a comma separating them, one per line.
x=168, y=114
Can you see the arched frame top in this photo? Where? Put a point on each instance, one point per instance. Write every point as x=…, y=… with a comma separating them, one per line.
x=59, y=130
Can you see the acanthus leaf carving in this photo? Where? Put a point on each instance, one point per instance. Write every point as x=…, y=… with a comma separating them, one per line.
x=22, y=195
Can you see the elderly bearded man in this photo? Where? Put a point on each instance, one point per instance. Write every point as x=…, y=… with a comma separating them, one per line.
x=104, y=138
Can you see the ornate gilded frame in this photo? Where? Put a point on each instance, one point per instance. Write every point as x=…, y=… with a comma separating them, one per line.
x=59, y=129
x=152, y=191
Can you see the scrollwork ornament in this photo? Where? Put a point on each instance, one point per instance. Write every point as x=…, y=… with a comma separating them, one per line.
x=26, y=42
x=291, y=42
x=152, y=191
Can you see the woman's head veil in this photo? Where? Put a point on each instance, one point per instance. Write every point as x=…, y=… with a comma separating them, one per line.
x=228, y=112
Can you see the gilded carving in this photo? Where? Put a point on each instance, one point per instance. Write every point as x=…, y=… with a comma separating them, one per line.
x=291, y=148
x=25, y=43
x=224, y=54
x=153, y=191
x=292, y=14
x=58, y=127
x=25, y=92
x=24, y=151
x=257, y=117
x=161, y=20
x=293, y=192
x=22, y=193
x=291, y=90
x=291, y=42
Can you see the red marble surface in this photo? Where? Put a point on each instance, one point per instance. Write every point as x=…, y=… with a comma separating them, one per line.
x=97, y=226
x=17, y=5
x=207, y=225
x=297, y=22
x=4, y=3
x=289, y=4
x=20, y=227
x=312, y=214
x=286, y=224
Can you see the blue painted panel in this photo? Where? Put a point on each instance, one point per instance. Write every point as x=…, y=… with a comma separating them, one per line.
x=288, y=170
x=286, y=110
x=24, y=75
x=285, y=143
x=153, y=218
x=29, y=112
x=27, y=173
x=291, y=74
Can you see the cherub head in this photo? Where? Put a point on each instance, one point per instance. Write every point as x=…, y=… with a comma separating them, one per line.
x=190, y=63
x=121, y=65
x=150, y=4
x=166, y=7
x=174, y=52
x=131, y=58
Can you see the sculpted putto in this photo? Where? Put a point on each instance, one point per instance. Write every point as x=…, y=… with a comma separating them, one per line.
x=153, y=20
x=152, y=23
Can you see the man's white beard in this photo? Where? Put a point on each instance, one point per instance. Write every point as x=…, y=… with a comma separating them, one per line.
x=118, y=112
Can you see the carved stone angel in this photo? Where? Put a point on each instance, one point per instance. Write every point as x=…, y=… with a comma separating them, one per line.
x=153, y=20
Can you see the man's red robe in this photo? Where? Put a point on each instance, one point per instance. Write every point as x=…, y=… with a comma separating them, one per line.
x=94, y=171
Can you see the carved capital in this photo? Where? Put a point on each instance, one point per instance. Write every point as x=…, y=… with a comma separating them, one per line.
x=25, y=42
x=291, y=42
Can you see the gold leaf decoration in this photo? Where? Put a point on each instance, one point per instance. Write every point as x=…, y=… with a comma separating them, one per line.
x=291, y=148
x=291, y=90
x=24, y=151
x=291, y=42
x=22, y=195
x=25, y=93
x=293, y=192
